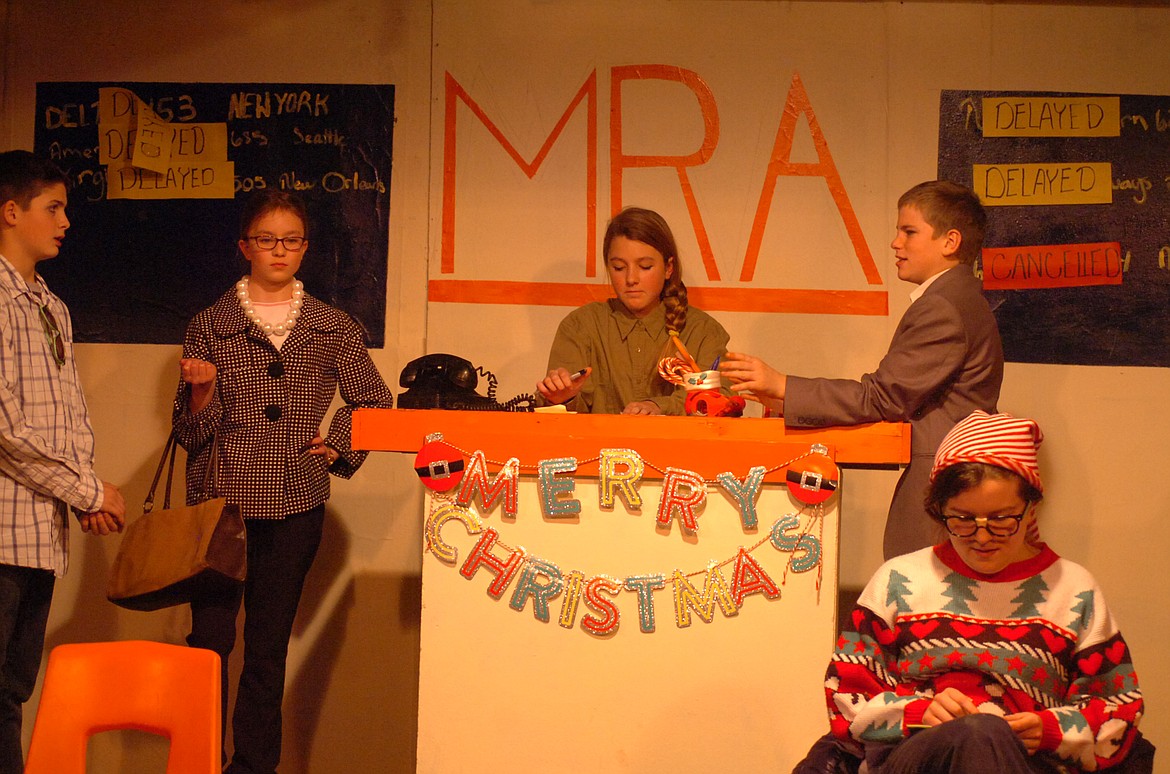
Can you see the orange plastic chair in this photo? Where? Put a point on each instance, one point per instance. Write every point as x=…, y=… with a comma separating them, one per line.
x=169, y=690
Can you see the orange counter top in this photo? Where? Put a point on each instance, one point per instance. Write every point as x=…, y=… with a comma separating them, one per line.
x=704, y=445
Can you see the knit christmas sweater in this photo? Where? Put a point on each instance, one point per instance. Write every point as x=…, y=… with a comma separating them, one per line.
x=1034, y=637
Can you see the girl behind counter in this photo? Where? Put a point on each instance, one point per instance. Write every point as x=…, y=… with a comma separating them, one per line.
x=259, y=370
x=619, y=342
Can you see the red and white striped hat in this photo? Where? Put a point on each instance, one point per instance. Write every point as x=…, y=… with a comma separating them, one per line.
x=994, y=439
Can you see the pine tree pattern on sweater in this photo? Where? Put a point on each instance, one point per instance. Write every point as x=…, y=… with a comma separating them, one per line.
x=1035, y=637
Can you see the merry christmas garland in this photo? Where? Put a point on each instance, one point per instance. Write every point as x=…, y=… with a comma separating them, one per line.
x=444, y=468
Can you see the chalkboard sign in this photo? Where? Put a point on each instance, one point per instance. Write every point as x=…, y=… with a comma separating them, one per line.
x=135, y=270
x=1029, y=147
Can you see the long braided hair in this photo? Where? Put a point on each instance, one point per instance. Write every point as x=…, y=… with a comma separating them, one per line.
x=647, y=226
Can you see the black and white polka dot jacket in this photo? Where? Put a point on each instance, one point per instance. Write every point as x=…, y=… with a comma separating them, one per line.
x=269, y=404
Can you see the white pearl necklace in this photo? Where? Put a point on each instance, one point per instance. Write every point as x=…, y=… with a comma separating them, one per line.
x=294, y=309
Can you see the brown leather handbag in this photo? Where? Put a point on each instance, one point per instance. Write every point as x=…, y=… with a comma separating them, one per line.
x=175, y=555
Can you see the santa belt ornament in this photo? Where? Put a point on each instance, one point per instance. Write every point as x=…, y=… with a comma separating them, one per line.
x=439, y=465
x=439, y=469
x=811, y=480
x=816, y=477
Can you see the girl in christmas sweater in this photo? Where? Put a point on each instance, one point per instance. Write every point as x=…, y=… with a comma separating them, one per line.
x=987, y=653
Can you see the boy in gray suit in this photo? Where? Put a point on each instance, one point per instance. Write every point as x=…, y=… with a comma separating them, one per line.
x=945, y=359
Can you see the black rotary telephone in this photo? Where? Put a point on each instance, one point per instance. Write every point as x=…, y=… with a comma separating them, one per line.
x=442, y=381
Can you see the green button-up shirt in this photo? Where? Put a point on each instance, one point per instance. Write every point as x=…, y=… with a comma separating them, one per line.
x=624, y=351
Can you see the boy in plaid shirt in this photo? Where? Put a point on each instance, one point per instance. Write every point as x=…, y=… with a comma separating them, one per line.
x=46, y=442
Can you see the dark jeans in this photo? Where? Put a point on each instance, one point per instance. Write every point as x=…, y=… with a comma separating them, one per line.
x=280, y=553
x=974, y=744
x=978, y=743
x=25, y=596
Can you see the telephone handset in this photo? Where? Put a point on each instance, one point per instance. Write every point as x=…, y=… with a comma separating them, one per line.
x=442, y=381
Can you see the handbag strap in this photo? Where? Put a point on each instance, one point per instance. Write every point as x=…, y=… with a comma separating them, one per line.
x=210, y=475
x=168, y=451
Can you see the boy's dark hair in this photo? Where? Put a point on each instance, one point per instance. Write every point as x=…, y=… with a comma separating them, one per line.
x=956, y=479
x=260, y=204
x=945, y=206
x=23, y=176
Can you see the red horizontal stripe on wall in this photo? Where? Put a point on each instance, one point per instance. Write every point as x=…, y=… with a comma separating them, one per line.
x=709, y=299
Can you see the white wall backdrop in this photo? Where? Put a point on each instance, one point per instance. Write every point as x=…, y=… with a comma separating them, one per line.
x=872, y=72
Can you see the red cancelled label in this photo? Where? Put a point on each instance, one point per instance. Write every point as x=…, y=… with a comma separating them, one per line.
x=1052, y=266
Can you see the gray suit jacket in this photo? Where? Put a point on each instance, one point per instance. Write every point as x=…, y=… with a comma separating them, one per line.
x=945, y=361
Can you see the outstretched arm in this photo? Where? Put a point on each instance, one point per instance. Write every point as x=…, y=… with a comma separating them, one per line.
x=748, y=373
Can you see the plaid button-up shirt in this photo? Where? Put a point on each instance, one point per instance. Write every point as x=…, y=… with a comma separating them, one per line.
x=46, y=441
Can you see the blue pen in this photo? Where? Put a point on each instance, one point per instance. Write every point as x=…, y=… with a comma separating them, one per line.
x=715, y=365
x=578, y=374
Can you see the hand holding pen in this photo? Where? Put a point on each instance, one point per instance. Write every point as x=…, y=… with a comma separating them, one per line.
x=561, y=386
